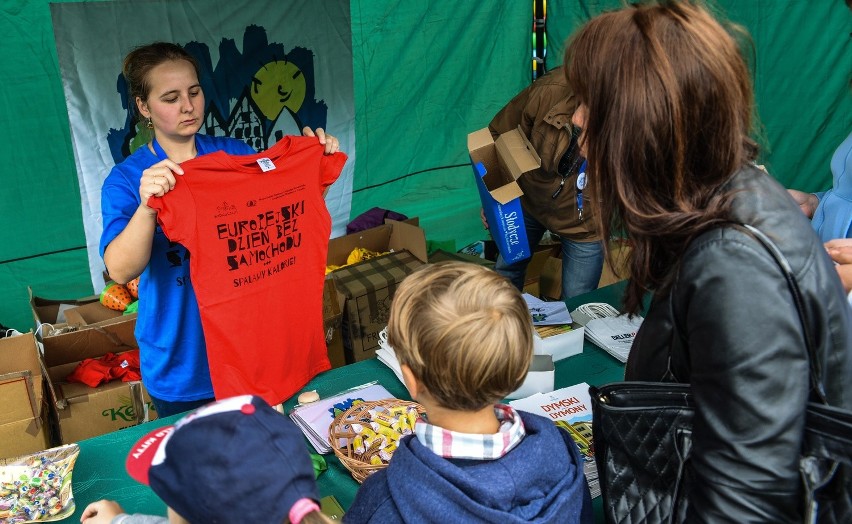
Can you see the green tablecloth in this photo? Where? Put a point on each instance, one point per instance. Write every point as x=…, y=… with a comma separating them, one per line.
x=99, y=471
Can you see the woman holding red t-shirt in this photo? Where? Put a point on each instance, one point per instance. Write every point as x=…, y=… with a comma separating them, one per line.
x=163, y=84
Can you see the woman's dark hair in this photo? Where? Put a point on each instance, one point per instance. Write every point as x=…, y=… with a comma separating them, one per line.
x=139, y=62
x=669, y=104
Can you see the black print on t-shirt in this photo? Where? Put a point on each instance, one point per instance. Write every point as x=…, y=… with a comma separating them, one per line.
x=262, y=238
x=177, y=254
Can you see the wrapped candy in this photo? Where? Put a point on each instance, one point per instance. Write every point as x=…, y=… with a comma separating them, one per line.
x=32, y=495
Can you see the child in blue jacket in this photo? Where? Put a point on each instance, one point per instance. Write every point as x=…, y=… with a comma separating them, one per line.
x=463, y=337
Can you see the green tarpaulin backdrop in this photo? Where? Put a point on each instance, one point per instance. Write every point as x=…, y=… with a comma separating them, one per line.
x=426, y=73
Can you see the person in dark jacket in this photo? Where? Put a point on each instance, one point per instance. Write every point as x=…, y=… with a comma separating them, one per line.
x=463, y=337
x=665, y=107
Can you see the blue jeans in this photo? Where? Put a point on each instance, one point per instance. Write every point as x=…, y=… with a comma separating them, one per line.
x=167, y=408
x=582, y=262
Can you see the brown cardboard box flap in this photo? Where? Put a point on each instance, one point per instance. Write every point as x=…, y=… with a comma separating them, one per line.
x=20, y=379
x=479, y=139
x=18, y=353
x=95, y=330
x=20, y=396
x=408, y=237
x=506, y=192
x=92, y=342
x=52, y=311
x=91, y=313
x=516, y=153
x=505, y=160
x=392, y=235
x=374, y=239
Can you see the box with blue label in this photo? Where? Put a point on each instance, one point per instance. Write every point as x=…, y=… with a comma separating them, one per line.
x=497, y=166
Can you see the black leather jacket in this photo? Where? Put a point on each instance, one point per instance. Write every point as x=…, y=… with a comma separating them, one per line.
x=739, y=343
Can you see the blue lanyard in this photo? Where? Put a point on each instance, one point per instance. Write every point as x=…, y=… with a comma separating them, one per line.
x=581, y=185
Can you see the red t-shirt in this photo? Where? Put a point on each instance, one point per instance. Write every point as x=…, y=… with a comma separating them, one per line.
x=257, y=229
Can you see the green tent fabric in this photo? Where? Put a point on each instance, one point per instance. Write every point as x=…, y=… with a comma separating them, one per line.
x=426, y=74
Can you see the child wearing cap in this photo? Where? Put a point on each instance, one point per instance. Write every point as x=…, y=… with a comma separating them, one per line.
x=236, y=460
x=463, y=337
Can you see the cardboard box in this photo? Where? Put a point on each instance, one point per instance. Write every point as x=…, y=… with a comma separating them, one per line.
x=550, y=278
x=53, y=311
x=80, y=328
x=83, y=412
x=23, y=417
x=532, y=278
x=368, y=286
x=497, y=166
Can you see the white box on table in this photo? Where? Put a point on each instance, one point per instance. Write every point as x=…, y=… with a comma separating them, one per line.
x=560, y=346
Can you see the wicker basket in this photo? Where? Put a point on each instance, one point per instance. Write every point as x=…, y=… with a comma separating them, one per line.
x=341, y=430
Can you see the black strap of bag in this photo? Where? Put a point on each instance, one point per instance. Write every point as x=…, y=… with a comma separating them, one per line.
x=815, y=367
x=645, y=481
x=819, y=464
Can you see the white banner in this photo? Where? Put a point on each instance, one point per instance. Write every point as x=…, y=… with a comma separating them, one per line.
x=267, y=69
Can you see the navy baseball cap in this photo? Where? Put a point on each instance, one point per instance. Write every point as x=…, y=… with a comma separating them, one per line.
x=235, y=460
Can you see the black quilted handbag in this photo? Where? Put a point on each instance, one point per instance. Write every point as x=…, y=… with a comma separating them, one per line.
x=643, y=434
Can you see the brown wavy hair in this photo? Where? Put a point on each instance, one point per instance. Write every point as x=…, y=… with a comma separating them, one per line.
x=140, y=61
x=669, y=111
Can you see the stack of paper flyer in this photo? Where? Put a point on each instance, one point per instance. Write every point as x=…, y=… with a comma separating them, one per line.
x=315, y=418
x=547, y=313
x=607, y=329
x=570, y=409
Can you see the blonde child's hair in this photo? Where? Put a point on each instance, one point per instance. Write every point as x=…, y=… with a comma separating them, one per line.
x=464, y=331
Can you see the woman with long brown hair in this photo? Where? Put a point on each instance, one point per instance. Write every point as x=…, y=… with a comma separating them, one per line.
x=666, y=110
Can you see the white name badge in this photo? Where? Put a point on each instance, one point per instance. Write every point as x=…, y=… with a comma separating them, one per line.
x=581, y=181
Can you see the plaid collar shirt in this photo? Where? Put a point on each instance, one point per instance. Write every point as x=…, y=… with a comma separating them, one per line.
x=452, y=444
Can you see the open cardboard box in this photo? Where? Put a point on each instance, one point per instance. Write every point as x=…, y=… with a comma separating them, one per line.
x=79, y=328
x=497, y=166
x=369, y=285
x=23, y=417
x=81, y=411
